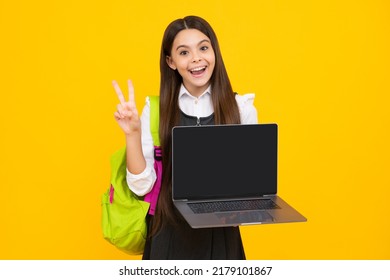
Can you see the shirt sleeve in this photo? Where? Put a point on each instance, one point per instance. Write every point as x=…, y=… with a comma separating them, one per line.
x=142, y=183
x=248, y=112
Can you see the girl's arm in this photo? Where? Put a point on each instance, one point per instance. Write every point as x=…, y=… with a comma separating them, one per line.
x=129, y=121
x=248, y=112
x=143, y=182
x=135, y=159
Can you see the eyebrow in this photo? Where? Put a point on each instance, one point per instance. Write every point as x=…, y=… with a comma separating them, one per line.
x=185, y=46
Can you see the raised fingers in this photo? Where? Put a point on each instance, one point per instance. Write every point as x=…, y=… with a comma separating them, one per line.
x=131, y=92
x=122, y=112
x=119, y=92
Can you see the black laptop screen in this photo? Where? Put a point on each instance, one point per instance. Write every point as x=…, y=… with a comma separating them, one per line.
x=224, y=161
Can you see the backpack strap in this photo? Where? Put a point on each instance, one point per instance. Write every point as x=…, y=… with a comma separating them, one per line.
x=152, y=196
x=155, y=118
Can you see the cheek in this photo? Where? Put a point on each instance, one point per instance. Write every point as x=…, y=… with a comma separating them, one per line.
x=212, y=62
x=211, y=59
x=182, y=70
x=181, y=64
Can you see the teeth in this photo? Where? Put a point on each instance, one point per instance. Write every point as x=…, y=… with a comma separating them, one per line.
x=198, y=69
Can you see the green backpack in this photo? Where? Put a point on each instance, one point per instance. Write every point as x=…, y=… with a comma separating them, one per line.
x=124, y=213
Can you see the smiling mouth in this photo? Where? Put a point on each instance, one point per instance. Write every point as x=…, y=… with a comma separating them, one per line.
x=198, y=70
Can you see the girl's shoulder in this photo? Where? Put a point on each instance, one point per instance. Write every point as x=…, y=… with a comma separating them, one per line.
x=248, y=112
x=147, y=101
x=244, y=100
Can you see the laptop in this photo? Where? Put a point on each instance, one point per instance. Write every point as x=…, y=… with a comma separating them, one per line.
x=226, y=175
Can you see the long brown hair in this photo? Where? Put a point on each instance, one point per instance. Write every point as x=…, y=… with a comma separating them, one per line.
x=225, y=107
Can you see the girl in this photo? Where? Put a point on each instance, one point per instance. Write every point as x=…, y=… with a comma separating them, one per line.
x=194, y=89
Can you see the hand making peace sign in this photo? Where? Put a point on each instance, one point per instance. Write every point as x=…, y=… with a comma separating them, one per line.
x=127, y=114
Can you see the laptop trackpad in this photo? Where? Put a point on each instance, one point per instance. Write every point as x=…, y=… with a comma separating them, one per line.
x=245, y=217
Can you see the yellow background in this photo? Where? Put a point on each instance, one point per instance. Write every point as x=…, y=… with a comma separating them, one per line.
x=320, y=69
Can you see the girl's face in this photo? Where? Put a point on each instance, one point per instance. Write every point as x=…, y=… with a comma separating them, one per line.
x=193, y=57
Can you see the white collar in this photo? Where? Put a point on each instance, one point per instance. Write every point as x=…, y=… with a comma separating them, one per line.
x=184, y=91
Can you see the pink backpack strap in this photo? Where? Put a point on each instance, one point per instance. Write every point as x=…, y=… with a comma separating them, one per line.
x=111, y=194
x=152, y=196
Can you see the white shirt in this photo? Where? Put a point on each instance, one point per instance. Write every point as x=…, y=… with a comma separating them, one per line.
x=201, y=106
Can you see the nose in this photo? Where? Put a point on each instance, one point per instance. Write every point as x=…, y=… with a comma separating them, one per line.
x=196, y=57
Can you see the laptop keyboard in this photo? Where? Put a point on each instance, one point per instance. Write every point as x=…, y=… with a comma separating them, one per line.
x=235, y=205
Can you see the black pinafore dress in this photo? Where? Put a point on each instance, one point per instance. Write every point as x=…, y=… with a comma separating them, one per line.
x=185, y=243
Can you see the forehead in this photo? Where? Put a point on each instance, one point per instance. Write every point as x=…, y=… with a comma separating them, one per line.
x=189, y=37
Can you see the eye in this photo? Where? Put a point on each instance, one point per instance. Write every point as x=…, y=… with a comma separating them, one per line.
x=183, y=53
x=204, y=48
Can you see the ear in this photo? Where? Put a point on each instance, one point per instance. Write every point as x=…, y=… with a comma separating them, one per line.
x=171, y=63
